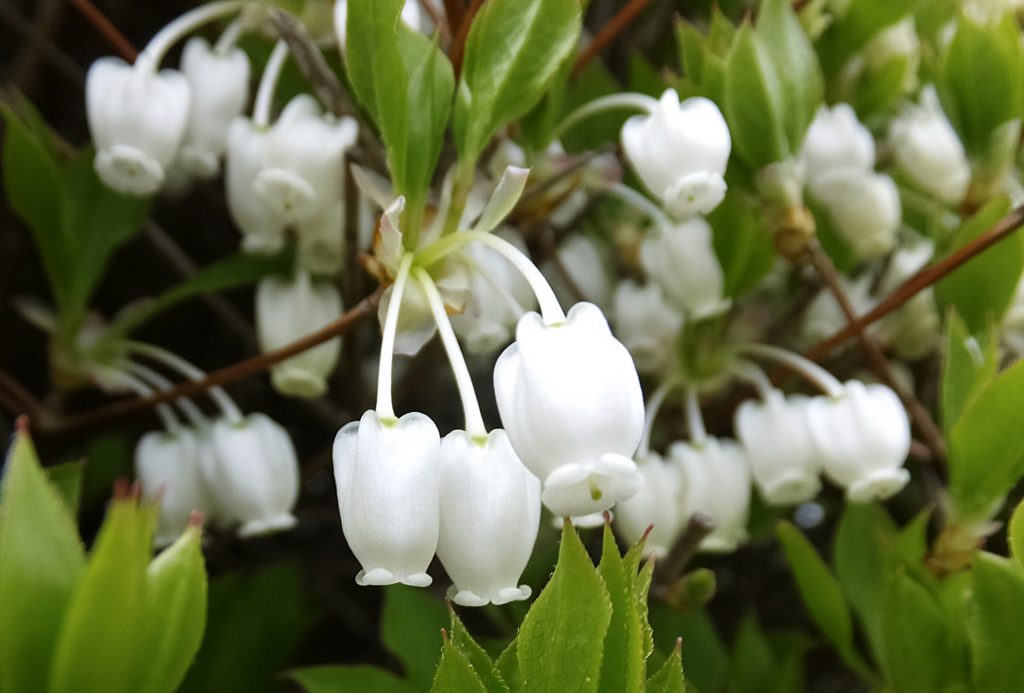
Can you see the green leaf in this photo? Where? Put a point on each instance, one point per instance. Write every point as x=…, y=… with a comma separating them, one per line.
x=753, y=662
x=481, y=662
x=861, y=21
x=361, y=678
x=514, y=50
x=993, y=623
x=968, y=364
x=1015, y=535
x=455, y=674
x=591, y=133
x=917, y=645
x=174, y=614
x=41, y=561
x=508, y=666
x=66, y=479
x=99, y=648
x=742, y=244
x=986, y=446
x=561, y=639
x=754, y=102
x=410, y=628
x=669, y=678
x=982, y=289
x=622, y=667
x=705, y=657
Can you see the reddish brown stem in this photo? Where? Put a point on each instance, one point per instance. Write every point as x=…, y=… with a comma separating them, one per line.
x=459, y=45
x=453, y=10
x=609, y=32
x=106, y=28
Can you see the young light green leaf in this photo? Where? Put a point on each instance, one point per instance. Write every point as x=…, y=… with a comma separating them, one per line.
x=742, y=244
x=361, y=678
x=485, y=668
x=705, y=657
x=99, y=648
x=410, y=628
x=561, y=641
x=993, y=623
x=508, y=667
x=455, y=674
x=1016, y=534
x=41, y=561
x=916, y=643
x=622, y=667
x=514, y=50
x=669, y=678
x=753, y=662
x=861, y=21
x=754, y=102
x=66, y=479
x=968, y=364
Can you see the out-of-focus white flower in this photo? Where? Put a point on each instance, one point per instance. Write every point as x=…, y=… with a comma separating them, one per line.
x=288, y=309
x=823, y=316
x=716, y=481
x=570, y=400
x=865, y=208
x=1013, y=322
x=680, y=152
x=497, y=296
x=659, y=502
x=587, y=265
x=252, y=473
x=896, y=42
x=219, y=83
x=836, y=140
x=167, y=467
x=413, y=16
x=928, y=152
x=137, y=117
x=912, y=332
x=388, y=479
x=490, y=514
x=783, y=457
x=864, y=437
x=647, y=325
x=682, y=261
x=991, y=11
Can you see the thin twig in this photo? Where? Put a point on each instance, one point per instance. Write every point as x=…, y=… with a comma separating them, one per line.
x=608, y=33
x=699, y=526
x=237, y=371
x=42, y=46
x=921, y=281
x=453, y=10
x=459, y=44
x=106, y=28
x=17, y=399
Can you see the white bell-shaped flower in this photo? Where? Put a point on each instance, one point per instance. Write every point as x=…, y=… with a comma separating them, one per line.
x=262, y=232
x=835, y=140
x=864, y=437
x=570, y=399
x=252, y=474
x=682, y=261
x=928, y=151
x=716, y=481
x=865, y=208
x=497, y=296
x=585, y=269
x=911, y=332
x=824, y=317
x=219, y=82
x=658, y=504
x=322, y=241
x=783, y=456
x=288, y=309
x=388, y=479
x=490, y=514
x=167, y=468
x=680, y=152
x=137, y=117
x=646, y=324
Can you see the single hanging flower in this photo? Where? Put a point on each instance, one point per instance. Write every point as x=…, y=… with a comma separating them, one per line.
x=682, y=261
x=137, y=117
x=659, y=502
x=836, y=140
x=716, y=481
x=570, y=399
x=490, y=514
x=252, y=473
x=219, y=82
x=585, y=270
x=863, y=436
x=912, y=332
x=647, y=325
x=287, y=310
x=167, y=468
x=864, y=207
x=680, y=152
x=388, y=479
x=784, y=458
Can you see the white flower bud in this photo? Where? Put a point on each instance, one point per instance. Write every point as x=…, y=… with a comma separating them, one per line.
x=864, y=438
x=895, y=42
x=287, y=310
x=587, y=265
x=252, y=474
x=388, y=477
x=682, y=261
x=137, y=118
x=490, y=514
x=716, y=481
x=835, y=140
x=659, y=502
x=167, y=468
x=928, y=151
x=783, y=457
x=570, y=400
x=680, y=152
x=219, y=81
x=646, y=324
x=865, y=208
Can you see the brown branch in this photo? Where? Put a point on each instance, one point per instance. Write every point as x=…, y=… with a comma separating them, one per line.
x=256, y=364
x=921, y=281
x=453, y=10
x=699, y=526
x=439, y=18
x=609, y=32
x=459, y=44
x=106, y=28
